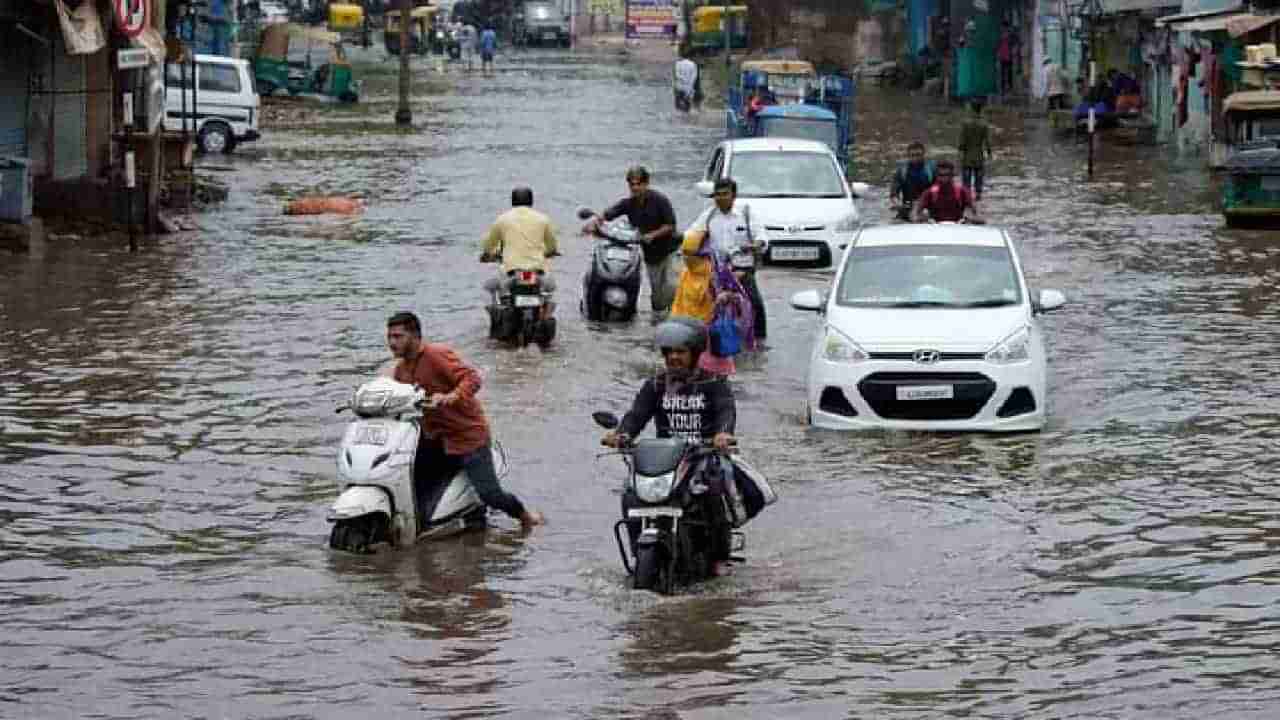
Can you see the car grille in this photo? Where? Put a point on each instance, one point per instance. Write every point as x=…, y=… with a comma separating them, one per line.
x=910, y=356
x=971, y=391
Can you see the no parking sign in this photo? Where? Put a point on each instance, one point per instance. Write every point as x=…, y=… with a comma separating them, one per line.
x=131, y=16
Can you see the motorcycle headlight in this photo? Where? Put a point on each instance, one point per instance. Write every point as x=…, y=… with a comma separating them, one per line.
x=654, y=489
x=615, y=297
x=1013, y=349
x=847, y=224
x=837, y=347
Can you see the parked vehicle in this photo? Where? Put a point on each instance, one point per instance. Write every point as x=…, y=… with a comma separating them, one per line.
x=803, y=104
x=421, y=20
x=542, y=23
x=379, y=504
x=224, y=108
x=1251, y=193
x=306, y=62
x=928, y=327
x=666, y=502
x=797, y=190
x=523, y=315
x=611, y=284
x=709, y=27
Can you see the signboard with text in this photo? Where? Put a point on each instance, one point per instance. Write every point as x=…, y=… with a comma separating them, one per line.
x=653, y=19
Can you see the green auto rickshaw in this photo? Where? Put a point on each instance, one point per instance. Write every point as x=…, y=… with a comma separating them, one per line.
x=305, y=61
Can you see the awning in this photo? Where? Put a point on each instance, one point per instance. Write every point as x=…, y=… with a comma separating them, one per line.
x=1200, y=22
x=1246, y=24
x=1115, y=7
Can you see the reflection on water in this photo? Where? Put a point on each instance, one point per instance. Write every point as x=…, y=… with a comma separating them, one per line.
x=167, y=438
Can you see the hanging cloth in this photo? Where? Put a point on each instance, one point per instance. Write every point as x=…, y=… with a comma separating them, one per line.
x=82, y=31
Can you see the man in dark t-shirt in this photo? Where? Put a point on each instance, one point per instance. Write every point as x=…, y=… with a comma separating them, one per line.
x=650, y=212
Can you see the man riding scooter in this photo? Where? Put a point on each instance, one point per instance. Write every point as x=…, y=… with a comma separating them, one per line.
x=684, y=402
x=522, y=239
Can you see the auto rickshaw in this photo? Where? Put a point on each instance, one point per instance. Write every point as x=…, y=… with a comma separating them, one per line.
x=709, y=27
x=803, y=104
x=421, y=25
x=306, y=61
x=1251, y=194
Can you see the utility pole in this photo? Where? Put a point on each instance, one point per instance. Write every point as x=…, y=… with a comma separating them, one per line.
x=404, y=115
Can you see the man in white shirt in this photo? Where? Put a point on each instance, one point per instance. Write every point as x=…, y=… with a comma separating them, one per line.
x=736, y=238
x=685, y=84
x=1055, y=85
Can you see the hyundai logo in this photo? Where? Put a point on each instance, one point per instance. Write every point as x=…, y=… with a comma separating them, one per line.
x=795, y=229
x=926, y=357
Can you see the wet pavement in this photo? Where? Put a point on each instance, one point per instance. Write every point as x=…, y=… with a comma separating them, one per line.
x=167, y=438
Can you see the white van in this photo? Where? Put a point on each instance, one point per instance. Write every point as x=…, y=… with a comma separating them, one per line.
x=225, y=106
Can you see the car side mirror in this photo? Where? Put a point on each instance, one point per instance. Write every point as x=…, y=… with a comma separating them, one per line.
x=606, y=420
x=859, y=189
x=705, y=188
x=808, y=300
x=1048, y=300
x=585, y=213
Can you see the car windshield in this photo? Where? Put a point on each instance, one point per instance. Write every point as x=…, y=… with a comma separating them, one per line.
x=909, y=276
x=786, y=175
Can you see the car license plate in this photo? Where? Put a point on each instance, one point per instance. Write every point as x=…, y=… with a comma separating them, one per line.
x=795, y=253
x=925, y=392
x=528, y=301
x=548, y=36
x=618, y=254
x=744, y=261
x=655, y=512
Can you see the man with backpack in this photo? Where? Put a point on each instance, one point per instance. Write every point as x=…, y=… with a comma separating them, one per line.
x=910, y=179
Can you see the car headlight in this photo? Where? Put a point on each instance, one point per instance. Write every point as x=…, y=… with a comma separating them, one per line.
x=654, y=489
x=848, y=223
x=837, y=347
x=1013, y=349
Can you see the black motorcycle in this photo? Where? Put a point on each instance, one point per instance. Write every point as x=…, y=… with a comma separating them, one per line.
x=611, y=285
x=680, y=505
x=524, y=314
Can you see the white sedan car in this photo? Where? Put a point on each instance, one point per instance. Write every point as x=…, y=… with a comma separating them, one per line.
x=796, y=190
x=929, y=327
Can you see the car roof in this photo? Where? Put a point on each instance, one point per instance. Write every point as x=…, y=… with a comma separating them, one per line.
x=776, y=144
x=939, y=234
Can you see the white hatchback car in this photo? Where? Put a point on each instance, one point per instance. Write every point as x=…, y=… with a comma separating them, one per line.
x=796, y=190
x=929, y=327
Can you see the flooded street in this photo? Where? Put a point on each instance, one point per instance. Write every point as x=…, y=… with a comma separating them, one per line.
x=167, y=442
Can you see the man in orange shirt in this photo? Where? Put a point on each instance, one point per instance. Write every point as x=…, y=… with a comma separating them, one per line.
x=455, y=432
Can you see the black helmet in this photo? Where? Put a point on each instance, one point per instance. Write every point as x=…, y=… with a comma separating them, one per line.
x=681, y=332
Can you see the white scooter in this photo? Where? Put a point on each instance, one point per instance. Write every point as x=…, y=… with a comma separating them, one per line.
x=378, y=504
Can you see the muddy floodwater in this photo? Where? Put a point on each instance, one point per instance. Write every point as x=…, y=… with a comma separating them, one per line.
x=167, y=443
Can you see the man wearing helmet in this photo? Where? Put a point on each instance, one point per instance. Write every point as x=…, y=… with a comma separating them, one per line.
x=683, y=402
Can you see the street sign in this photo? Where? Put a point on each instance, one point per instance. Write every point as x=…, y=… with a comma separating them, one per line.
x=130, y=58
x=131, y=16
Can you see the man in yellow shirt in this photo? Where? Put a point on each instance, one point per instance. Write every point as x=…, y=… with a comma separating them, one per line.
x=522, y=238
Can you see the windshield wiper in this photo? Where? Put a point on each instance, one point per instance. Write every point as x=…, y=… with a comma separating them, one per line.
x=989, y=302
x=920, y=303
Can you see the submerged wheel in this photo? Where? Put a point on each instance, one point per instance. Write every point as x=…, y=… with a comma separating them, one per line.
x=648, y=561
x=359, y=535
